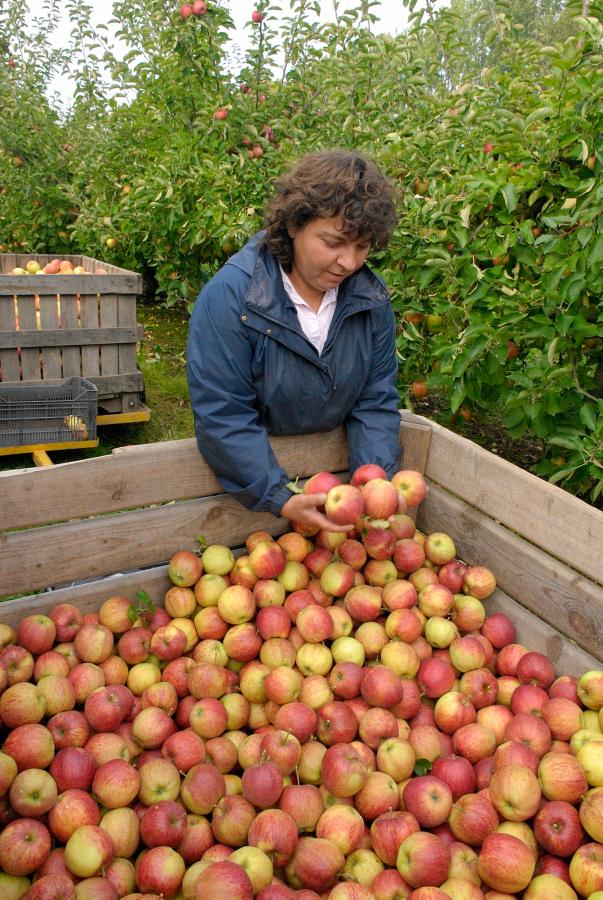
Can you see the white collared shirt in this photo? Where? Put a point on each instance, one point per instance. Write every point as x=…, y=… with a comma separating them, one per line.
x=315, y=325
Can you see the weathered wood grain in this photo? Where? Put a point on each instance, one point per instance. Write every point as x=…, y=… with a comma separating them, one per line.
x=53, y=336
x=142, y=475
x=9, y=359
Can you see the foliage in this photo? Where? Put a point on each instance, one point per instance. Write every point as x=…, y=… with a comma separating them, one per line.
x=486, y=113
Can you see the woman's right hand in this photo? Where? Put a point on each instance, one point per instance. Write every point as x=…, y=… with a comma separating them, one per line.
x=304, y=510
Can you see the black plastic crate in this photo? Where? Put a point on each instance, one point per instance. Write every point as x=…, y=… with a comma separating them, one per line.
x=48, y=414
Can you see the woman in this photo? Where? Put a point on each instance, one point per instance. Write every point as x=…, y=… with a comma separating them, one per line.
x=295, y=335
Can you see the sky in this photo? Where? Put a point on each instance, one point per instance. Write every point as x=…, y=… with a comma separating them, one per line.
x=391, y=13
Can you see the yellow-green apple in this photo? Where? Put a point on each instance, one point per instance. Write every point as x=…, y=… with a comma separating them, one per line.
x=33, y=792
x=313, y=659
x=294, y=577
x=123, y=827
x=117, y=614
x=440, y=632
x=87, y=850
x=549, y=887
x=468, y=614
x=336, y=579
x=466, y=653
x=586, y=869
x=315, y=691
x=343, y=825
x=160, y=780
x=423, y=859
x=25, y=844
x=495, y=717
x=590, y=757
x=505, y=688
x=396, y=758
x=208, y=588
x=256, y=863
x=590, y=689
x=236, y=604
x=348, y=649
x=401, y=658
x=180, y=602
x=217, y=559
x=22, y=704
x=361, y=867
x=439, y=548
x=268, y=592
x=283, y=684
x=379, y=572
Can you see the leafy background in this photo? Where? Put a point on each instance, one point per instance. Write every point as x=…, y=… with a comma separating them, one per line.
x=488, y=115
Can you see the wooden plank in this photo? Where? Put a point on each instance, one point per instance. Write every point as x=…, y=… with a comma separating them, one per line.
x=142, y=475
x=90, y=595
x=52, y=335
x=543, y=513
x=89, y=320
x=9, y=359
x=108, y=319
x=31, y=369
x=567, y=657
x=126, y=315
x=25, y=285
x=72, y=357
x=56, y=554
x=559, y=595
x=49, y=324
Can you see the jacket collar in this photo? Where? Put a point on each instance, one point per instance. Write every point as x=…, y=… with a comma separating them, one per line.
x=266, y=294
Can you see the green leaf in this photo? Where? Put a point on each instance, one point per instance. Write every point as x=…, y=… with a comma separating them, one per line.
x=423, y=766
x=569, y=443
x=510, y=197
x=587, y=416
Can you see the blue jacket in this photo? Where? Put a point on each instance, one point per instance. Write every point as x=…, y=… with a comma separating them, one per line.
x=252, y=372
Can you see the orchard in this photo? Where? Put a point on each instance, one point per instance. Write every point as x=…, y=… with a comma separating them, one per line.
x=326, y=715
x=487, y=116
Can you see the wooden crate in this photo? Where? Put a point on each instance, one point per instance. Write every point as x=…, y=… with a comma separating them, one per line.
x=117, y=520
x=55, y=326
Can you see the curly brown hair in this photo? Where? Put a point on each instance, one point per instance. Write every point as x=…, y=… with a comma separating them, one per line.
x=325, y=185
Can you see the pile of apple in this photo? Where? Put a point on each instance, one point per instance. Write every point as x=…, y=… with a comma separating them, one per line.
x=330, y=715
x=54, y=267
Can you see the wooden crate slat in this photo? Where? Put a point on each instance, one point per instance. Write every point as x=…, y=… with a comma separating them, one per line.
x=53, y=336
x=126, y=353
x=49, y=325
x=72, y=357
x=548, y=516
x=109, y=354
x=89, y=319
x=560, y=596
x=108, y=385
x=28, y=285
x=9, y=359
x=141, y=475
x=89, y=596
x=536, y=635
x=30, y=359
x=57, y=554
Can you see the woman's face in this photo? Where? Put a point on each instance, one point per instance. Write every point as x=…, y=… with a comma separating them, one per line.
x=323, y=256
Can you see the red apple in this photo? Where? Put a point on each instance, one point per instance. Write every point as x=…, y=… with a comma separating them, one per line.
x=423, y=859
x=24, y=846
x=505, y=863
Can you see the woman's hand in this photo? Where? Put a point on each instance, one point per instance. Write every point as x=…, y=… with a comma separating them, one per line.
x=304, y=509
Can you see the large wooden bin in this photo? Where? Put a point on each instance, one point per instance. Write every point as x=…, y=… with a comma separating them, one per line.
x=56, y=326
x=117, y=520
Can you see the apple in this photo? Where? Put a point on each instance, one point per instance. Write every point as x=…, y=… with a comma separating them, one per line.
x=472, y=818
x=591, y=813
x=479, y=582
x=22, y=704
x=344, y=772
x=499, y=629
x=505, y=863
x=262, y=784
x=344, y=504
x=423, y=859
x=217, y=559
x=202, y=787
x=36, y=633
x=33, y=792
x=408, y=555
x=72, y=809
x=558, y=829
x=160, y=870
x=316, y=863
x=429, y=799
x=453, y=710
x=87, y=850
x=224, y=878
x=411, y=485
x=435, y=600
x=435, y=676
x=30, y=746
x=530, y=730
x=378, y=795
x=457, y=772
x=590, y=757
x=380, y=497
x=586, y=869
x=590, y=689
x=439, y=548
x=514, y=791
x=549, y=887
x=562, y=777
x=25, y=844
